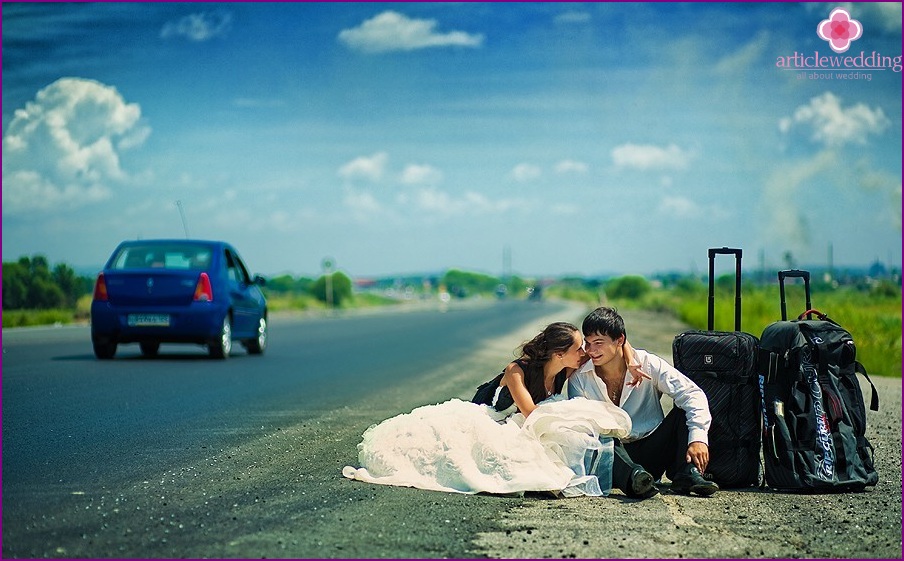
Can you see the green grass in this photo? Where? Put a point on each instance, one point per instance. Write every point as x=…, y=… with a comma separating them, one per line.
x=305, y=302
x=873, y=317
x=30, y=318
x=580, y=294
x=293, y=301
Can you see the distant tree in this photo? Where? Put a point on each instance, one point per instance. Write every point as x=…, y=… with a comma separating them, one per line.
x=68, y=282
x=463, y=283
x=287, y=284
x=282, y=284
x=303, y=284
x=689, y=284
x=340, y=286
x=29, y=283
x=15, y=286
x=631, y=287
x=44, y=294
x=725, y=283
x=516, y=286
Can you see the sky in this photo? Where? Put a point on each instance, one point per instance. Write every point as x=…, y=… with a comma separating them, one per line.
x=540, y=139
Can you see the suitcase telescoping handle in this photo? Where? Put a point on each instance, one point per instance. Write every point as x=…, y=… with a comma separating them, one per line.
x=712, y=290
x=794, y=273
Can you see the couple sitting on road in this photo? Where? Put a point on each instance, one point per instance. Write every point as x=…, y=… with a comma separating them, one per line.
x=576, y=414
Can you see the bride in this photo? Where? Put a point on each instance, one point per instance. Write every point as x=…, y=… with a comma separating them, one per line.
x=520, y=433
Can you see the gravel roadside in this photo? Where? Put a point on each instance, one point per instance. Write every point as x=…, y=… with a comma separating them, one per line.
x=730, y=524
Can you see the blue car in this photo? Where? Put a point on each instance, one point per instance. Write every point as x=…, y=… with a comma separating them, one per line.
x=177, y=291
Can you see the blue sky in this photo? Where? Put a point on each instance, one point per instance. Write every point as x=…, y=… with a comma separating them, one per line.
x=416, y=137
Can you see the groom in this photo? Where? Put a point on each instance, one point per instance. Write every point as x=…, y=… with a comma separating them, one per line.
x=676, y=444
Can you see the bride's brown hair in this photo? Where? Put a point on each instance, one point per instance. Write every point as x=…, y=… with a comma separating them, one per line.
x=558, y=337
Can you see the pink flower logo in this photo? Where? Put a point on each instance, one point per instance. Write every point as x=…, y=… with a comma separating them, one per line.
x=839, y=30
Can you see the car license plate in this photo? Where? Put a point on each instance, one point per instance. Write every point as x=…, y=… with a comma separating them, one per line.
x=149, y=320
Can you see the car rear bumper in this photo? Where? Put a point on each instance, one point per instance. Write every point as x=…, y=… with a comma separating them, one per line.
x=198, y=322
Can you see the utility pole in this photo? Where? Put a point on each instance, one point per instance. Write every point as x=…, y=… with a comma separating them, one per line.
x=328, y=279
x=762, y=271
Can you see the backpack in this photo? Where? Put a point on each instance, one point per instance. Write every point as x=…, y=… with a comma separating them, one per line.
x=814, y=416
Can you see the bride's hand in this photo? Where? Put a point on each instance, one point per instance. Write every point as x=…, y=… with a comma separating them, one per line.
x=637, y=375
x=634, y=367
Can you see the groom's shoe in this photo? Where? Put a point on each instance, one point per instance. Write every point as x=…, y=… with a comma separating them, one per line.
x=689, y=480
x=641, y=484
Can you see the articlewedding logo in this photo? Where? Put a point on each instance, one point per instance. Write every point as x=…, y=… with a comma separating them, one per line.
x=840, y=30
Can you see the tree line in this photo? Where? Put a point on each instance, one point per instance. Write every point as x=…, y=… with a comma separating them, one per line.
x=31, y=283
x=333, y=289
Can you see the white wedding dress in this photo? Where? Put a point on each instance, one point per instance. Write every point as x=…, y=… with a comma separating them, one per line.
x=563, y=445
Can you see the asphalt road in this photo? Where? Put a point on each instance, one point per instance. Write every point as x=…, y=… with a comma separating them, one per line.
x=79, y=430
x=71, y=419
x=184, y=457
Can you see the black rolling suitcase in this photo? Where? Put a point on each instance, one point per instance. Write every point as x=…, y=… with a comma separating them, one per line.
x=723, y=364
x=814, y=415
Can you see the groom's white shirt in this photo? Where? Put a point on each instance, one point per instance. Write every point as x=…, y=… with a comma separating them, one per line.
x=642, y=403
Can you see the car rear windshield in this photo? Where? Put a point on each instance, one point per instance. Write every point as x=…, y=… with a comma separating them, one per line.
x=177, y=256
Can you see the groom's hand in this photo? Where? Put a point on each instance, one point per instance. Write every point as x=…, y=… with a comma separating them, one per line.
x=698, y=454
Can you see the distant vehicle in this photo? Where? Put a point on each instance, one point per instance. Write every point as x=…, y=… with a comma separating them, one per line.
x=177, y=291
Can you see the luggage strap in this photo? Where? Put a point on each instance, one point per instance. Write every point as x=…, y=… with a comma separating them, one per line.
x=874, y=398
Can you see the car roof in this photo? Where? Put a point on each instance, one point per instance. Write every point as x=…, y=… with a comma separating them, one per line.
x=174, y=241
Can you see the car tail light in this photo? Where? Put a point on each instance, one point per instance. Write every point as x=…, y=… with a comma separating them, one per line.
x=100, y=289
x=203, y=292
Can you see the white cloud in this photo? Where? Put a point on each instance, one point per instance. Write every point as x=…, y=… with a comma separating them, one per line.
x=365, y=167
x=571, y=166
x=746, y=56
x=679, y=207
x=525, y=172
x=392, y=31
x=470, y=203
x=62, y=149
x=362, y=203
x=786, y=220
x=647, y=157
x=571, y=17
x=834, y=125
x=886, y=14
x=434, y=200
x=198, y=27
x=420, y=174
x=676, y=206
x=886, y=184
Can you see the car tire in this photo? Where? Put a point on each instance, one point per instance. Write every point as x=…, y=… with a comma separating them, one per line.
x=258, y=345
x=104, y=350
x=221, y=346
x=149, y=350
